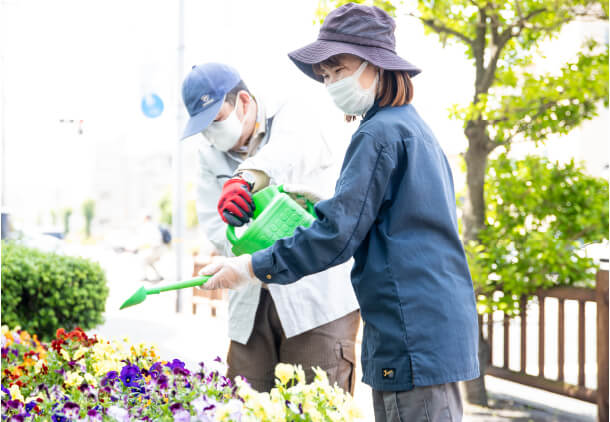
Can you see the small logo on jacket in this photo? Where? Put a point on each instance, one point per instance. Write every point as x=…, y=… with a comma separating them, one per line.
x=388, y=373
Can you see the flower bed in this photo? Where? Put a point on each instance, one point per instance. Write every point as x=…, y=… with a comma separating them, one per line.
x=85, y=378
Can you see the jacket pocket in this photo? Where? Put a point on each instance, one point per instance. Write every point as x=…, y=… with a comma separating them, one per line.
x=345, y=376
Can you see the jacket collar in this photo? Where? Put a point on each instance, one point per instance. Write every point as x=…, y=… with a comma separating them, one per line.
x=372, y=111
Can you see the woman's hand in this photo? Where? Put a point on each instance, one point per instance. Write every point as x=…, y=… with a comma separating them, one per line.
x=229, y=273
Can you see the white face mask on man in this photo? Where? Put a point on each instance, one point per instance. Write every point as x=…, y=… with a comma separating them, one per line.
x=224, y=134
x=350, y=97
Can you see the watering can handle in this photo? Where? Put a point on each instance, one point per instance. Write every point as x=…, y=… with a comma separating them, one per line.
x=308, y=203
x=231, y=236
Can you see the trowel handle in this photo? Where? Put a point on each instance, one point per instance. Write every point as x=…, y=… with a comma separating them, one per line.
x=195, y=282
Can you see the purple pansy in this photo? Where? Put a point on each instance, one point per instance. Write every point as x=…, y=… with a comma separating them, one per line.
x=109, y=378
x=94, y=415
x=130, y=375
x=15, y=405
x=176, y=363
x=58, y=417
x=71, y=410
x=162, y=382
x=155, y=370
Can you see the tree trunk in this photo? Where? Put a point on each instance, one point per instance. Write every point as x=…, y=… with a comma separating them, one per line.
x=474, y=220
x=476, y=164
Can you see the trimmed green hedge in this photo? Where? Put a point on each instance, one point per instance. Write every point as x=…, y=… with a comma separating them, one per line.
x=43, y=291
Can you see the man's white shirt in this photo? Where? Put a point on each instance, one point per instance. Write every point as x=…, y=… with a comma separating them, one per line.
x=305, y=148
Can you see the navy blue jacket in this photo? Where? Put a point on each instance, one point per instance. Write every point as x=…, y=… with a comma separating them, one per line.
x=394, y=212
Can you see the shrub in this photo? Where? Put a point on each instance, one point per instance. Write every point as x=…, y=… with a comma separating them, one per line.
x=43, y=291
x=540, y=215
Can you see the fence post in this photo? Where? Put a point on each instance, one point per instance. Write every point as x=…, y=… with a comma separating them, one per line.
x=601, y=290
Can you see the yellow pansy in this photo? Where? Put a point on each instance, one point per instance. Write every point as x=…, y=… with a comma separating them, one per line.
x=38, y=365
x=321, y=376
x=90, y=379
x=284, y=372
x=64, y=354
x=73, y=378
x=16, y=393
x=300, y=375
x=80, y=353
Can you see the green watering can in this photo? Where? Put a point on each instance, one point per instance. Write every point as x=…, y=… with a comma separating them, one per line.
x=276, y=216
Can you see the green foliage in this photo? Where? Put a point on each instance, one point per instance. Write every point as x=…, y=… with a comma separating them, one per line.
x=165, y=207
x=532, y=107
x=66, y=213
x=191, y=214
x=88, y=213
x=42, y=291
x=539, y=216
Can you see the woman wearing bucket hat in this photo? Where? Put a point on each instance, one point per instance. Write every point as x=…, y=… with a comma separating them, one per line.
x=394, y=211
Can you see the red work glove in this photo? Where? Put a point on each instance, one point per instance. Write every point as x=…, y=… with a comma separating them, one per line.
x=235, y=205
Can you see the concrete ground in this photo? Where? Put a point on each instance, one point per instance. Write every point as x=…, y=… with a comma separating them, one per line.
x=201, y=337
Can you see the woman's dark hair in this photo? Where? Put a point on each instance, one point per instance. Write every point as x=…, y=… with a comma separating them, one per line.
x=232, y=94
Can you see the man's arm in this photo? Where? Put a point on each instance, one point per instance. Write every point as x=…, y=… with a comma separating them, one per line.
x=208, y=192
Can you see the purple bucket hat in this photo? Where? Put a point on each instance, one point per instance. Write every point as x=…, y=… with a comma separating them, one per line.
x=364, y=31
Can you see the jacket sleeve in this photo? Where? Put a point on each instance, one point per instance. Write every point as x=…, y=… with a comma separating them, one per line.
x=343, y=221
x=208, y=192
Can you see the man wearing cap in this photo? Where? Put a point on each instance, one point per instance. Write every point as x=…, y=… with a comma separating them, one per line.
x=314, y=322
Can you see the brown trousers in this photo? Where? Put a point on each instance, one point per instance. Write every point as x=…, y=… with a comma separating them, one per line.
x=330, y=346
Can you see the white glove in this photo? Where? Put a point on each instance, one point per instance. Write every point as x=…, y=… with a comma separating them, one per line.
x=302, y=193
x=229, y=273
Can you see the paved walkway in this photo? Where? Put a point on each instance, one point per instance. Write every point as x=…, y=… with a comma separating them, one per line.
x=201, y=337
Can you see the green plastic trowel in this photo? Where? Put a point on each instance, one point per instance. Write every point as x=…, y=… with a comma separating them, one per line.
x=140, y=295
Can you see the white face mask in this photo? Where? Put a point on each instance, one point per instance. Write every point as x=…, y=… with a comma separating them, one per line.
x=350, y=97
x=224, y=134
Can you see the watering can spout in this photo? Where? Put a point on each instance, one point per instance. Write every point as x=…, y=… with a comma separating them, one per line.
x=140, y=295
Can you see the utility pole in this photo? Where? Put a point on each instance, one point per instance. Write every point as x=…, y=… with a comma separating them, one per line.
x=178, y=214
x=3, y=206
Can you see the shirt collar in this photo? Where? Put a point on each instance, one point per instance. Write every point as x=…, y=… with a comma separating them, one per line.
x=372, y=111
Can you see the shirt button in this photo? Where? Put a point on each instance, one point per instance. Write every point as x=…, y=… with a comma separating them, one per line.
x=268, y=276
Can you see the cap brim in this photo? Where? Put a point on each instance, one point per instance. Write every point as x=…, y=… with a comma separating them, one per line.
x=320, y=50
x=202, y=120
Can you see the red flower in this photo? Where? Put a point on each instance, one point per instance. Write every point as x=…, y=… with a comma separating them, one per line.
x=60, y=333
x=56, y=344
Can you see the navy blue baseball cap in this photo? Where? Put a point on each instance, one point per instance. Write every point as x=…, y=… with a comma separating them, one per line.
x=203, y=92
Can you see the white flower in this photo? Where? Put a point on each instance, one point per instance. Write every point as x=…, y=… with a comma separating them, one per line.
x=118, y=413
